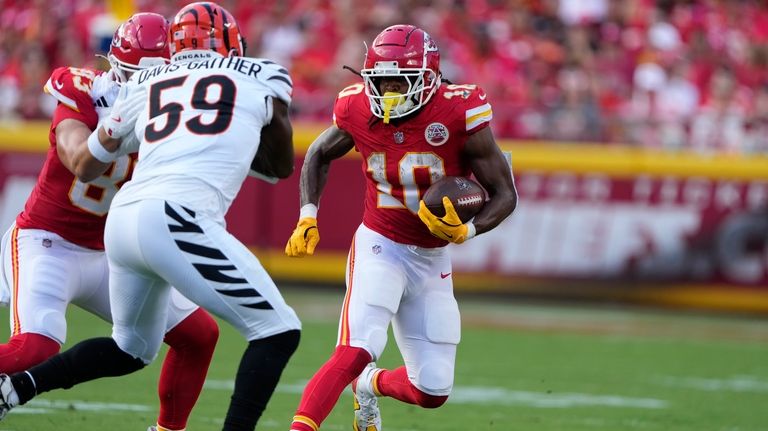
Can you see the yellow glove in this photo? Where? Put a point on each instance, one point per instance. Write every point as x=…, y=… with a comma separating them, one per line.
x=449, y=227
x=304, y=238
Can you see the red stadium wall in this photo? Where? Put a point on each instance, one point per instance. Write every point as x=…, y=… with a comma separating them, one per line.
x=612, y=222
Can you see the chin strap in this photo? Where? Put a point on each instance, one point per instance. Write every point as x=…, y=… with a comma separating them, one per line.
x=352, y=70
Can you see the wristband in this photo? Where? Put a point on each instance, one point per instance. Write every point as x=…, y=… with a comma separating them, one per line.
x=471, y=231
x=308, y=210
x=98, y=151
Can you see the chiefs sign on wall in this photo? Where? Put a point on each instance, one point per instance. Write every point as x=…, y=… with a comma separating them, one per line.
x=641, y=227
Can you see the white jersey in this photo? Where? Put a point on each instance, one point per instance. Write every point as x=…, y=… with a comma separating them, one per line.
x=199, y=127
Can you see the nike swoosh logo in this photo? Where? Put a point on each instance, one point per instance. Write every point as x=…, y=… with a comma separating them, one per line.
x=483, y=96
x=306, y=232
x=444, y=275
x=58, y=85
x=117, y=120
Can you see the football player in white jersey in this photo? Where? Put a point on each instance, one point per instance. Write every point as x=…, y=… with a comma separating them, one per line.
x=53, y=254
x=203, y=122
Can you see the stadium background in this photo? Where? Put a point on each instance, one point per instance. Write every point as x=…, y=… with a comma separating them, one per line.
x=638, y=132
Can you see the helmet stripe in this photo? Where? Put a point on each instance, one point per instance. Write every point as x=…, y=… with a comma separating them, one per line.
x=194, y=14
x=208, y=9
x=227, y=44
x=212, y=23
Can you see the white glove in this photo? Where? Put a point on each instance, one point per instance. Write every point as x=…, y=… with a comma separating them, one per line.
x=122, y=119
x=105, y=86
x=129, y=144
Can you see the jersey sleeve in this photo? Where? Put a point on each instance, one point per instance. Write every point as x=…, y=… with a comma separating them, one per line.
x=277, y=79
x=71, y=87
x=477, y=110
x=342, y=106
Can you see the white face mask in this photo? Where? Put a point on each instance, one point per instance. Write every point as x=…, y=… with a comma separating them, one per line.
x=123, y=71
x=396, y=105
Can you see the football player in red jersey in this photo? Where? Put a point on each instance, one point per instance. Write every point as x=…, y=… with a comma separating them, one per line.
x=53, y=255
x=410, y=129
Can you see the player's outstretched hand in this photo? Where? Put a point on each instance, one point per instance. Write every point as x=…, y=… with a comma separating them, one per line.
x=121, y=121
x=304, y=238
x=449, y=227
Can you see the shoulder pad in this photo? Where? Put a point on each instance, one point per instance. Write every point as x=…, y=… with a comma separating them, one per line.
x=71, y=86
x=474, y=102
x=277, y=78
x=343, y=106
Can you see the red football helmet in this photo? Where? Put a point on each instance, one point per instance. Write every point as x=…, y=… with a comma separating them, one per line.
x=208, y=26
x=402, y=51
x=139, y=43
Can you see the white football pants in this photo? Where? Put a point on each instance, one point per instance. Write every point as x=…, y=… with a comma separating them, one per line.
x=153, y=244
x=412, y=288
x=43, y=273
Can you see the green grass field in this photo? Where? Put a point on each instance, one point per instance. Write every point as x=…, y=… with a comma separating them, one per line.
x=520, y=367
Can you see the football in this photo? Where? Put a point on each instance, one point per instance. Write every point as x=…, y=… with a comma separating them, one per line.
x=467, y=196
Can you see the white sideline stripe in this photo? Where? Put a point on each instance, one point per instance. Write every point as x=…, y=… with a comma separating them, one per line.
x=49, y=406
x=503, y=396
x=732, y=384
x=486, y=395
x=460, y=395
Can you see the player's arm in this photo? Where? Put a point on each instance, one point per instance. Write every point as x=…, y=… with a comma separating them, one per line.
x=332, y=144
x=109, y=140
x=494, y=173
x=275, y=155
x=72, y=148
x=329, y=146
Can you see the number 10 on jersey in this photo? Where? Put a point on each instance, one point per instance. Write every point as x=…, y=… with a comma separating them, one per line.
x=400, y=189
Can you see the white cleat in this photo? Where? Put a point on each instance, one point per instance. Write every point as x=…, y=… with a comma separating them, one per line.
x=8, y=397
x=367, y=414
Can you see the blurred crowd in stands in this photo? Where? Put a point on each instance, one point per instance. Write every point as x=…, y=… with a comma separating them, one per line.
x=686, y=74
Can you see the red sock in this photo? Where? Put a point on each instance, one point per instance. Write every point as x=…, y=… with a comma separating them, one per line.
x=325, y=387
x=191, y=344
x=395, y=384
x=26, y=350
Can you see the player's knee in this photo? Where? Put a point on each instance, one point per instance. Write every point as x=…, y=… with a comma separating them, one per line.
x=428, y=401
x=136, y=346
x=206, y=328
x=285, y=342
x=376, y=342
x=199, y=331
x=352, y=359
x=26, y=350
x=435, y=378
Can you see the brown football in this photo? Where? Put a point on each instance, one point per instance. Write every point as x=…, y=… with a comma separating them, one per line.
x=467, y=196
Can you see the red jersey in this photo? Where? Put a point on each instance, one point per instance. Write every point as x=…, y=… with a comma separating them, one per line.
x=403, y=158
x=60, y=203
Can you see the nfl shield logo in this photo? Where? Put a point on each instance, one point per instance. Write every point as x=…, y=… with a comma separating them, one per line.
x=399, y=137
x=376, y=249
